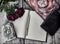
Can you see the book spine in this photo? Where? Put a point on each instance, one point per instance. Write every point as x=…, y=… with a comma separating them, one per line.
x=27, y=24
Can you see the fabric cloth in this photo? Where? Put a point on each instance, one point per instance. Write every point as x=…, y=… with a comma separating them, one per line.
x=43, y=7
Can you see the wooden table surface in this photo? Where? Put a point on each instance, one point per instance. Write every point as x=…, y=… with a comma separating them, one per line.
x=50, y=39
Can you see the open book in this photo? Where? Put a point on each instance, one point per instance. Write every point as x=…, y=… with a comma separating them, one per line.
x=28, y=26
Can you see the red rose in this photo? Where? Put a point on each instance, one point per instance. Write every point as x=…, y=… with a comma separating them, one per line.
x=19, y=12
x=11, y=17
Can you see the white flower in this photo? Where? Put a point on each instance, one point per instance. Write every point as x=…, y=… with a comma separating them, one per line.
x=12, y=3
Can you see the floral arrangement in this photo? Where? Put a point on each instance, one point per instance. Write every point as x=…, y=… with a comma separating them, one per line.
x=12, y=10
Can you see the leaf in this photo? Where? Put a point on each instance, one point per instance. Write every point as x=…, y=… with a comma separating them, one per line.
x=6, y=1
x=6, y=8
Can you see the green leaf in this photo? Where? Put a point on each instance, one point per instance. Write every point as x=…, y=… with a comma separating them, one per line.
x=6, y=8
x=6, y=1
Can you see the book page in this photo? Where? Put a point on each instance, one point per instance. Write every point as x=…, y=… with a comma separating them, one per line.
x=21, y=25
x=35, y=32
